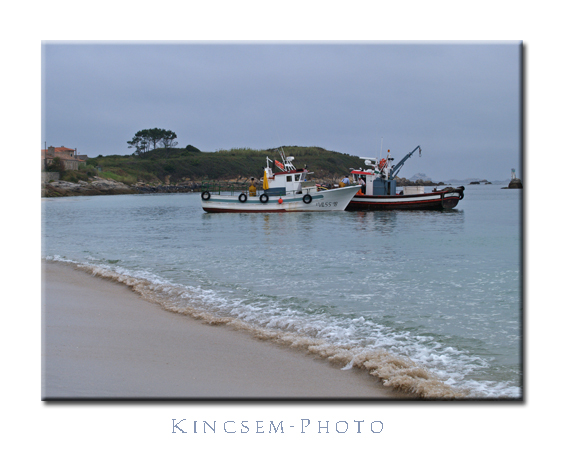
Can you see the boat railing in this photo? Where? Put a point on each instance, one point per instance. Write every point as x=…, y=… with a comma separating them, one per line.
x=219, y=187
x=236, y=188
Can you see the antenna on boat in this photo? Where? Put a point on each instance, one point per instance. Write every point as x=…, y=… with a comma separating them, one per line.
x=283, y=157
x=381, y=142
x=286, y=160
x=281, y=151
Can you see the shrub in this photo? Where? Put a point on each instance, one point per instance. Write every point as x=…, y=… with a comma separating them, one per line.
x=88, y=170
x=56, y=166
x=76, y=176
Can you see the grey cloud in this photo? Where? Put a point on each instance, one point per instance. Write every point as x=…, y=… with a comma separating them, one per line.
x=460, y=102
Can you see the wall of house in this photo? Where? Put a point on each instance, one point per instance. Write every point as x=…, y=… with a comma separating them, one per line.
x=71, y=164
x=67, y=156
x=49, y=176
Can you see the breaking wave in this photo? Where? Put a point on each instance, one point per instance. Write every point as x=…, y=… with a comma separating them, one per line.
x=349, y=343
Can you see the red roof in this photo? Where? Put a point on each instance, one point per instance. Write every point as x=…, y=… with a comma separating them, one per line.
x=59, y=149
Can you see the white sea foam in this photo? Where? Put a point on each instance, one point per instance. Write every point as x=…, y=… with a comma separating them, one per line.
x=418, y=365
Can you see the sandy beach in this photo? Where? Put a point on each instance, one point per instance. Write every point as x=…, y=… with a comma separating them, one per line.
x=101, y=340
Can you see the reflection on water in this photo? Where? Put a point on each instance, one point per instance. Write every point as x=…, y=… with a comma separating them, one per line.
x=391, y=223
x=383, y=221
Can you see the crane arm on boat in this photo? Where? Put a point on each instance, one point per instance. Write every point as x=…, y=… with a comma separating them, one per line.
x=396, y=169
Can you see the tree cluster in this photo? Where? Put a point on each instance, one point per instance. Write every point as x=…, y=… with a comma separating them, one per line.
x=146, y=140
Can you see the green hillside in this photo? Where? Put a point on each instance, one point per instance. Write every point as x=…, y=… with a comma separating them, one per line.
x=183, y=164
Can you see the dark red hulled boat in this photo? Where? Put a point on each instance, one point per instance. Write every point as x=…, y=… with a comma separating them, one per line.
x=379, y=191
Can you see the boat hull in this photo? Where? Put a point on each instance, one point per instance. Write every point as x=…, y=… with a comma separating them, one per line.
x=425, y=201
x=327, y=200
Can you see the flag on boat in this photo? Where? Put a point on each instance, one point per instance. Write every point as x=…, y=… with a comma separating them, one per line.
x=279, y=165
x=266, y=185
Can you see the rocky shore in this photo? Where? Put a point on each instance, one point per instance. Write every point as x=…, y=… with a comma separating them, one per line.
x=403, y=182
x=96, y=186
x=100, y=186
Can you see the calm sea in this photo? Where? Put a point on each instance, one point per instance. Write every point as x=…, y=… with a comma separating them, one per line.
x=430, y=302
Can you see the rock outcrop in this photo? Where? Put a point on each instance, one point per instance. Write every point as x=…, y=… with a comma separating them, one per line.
x=403, y=182
x=420, y=176
x=99, y=186
x=515, y=183
x=96, y=186
x=184, y=187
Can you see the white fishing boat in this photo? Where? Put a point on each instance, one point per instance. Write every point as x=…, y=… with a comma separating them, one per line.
x=281, y=191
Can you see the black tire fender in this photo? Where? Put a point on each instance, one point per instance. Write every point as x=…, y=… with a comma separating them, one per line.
x=264, y=198
x=307, y=198
x=205, y=196
x=242, y=198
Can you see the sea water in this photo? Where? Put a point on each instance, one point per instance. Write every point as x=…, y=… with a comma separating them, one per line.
x=428, y=302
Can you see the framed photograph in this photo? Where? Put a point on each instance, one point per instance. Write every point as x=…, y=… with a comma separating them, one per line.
x=329, y=221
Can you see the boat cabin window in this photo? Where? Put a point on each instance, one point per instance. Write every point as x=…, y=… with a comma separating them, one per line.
x=297, y=177
x=289, y=178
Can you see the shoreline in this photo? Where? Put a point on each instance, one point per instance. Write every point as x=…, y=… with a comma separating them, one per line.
x=99, y=186
x=102, y=341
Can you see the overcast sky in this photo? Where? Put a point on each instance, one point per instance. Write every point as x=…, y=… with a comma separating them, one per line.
x=460, y=102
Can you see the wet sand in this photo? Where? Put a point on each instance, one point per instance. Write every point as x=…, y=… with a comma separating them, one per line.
x=102, y=341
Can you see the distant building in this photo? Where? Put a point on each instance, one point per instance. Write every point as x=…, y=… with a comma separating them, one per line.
x=68, y=156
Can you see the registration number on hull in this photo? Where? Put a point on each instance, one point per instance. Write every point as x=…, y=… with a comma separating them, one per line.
x=326, y=204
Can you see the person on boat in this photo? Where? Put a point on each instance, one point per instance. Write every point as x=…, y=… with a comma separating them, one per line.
x=362, y=182
x=252, y=188
x=344, y=182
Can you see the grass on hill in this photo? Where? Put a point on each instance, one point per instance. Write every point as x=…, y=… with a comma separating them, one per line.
x=238, y=163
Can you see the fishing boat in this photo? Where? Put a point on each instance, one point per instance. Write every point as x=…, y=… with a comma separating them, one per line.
x=380, y=192
x=282, y=191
